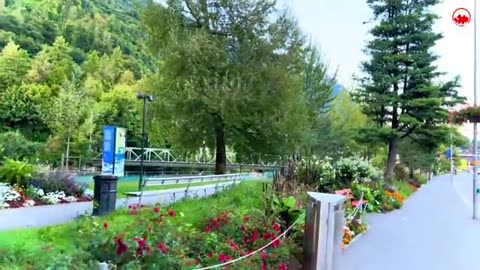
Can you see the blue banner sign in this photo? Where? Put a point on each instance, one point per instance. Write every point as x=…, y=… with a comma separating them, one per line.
x=108, y=156
x=113, y=153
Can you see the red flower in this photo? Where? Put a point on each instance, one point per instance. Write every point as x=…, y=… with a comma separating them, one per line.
x=263, y=255
x=276, y=227
x=254, y=237
x=208, y=229
x=264, y=266
x=121, y=247
x=233, y=246
x=266, y=236
x=162, y=248
x=105, y=225
x=210, y=255
x=222, y=258
x=156, y=210
x=246, y=219
x=171, y=213
x=276, y=243
x=282, y=266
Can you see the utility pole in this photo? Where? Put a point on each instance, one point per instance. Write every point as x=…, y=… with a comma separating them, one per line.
x=476, y=190
x=451, y=154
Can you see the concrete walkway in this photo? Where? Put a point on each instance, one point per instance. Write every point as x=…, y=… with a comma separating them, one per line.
x=46, y=215
x=433, y=231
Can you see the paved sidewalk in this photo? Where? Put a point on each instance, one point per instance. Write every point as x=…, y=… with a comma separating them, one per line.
x=46, y=215
x=433, y=231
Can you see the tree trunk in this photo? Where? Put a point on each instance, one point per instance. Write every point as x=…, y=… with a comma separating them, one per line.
x=391, y=161
x=411, y=171
x=67, y=153
x=220, y=148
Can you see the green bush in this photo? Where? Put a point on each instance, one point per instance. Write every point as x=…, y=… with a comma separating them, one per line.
x=14, y=145
x=351, y=169
x=16, y=172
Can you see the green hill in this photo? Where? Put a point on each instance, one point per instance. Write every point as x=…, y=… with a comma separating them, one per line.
x=87, y=25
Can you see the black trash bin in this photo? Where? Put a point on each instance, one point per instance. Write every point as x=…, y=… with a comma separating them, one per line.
x=104, y=194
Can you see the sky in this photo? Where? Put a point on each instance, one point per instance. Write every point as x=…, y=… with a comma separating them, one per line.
x=337, y=28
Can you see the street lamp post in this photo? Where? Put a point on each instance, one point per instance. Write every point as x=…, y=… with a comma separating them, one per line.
x=475, y=146
x=145, y=98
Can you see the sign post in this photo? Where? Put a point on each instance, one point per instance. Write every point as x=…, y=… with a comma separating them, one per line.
x=113, y=154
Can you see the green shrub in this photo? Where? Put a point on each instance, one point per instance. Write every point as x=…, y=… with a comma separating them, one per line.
x=59, y=181
x=14, y=145
x=16, y=172
x=351, y=169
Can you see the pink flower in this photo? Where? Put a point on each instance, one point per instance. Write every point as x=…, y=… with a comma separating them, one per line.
x=282, y=266
x=171, y=213
x=156, y=210
x=276, y=227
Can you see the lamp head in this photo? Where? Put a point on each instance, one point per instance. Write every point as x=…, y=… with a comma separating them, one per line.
x=145, y=97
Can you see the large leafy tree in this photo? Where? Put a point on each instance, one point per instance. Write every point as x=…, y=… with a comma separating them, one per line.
x=230, y=75
x=399, y=91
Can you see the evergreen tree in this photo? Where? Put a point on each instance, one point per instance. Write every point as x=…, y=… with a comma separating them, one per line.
x=399, y=92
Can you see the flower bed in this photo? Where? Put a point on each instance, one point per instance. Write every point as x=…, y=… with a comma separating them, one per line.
x=22, y=185
x=162, y=238
x=15, y=197
x=186, y=235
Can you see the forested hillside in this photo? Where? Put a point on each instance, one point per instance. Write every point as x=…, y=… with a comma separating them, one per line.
x=66, y=69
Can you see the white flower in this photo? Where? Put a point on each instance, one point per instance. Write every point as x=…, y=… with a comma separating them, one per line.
x=10, y=196
x=39, y=192
x=29, y=203
x=54, y=197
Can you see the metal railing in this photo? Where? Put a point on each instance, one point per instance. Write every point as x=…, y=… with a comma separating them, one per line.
x=165, y=155
x=222, y=181
x=159, y=181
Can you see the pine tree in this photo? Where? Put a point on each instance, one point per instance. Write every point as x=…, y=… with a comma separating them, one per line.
x=400, y=92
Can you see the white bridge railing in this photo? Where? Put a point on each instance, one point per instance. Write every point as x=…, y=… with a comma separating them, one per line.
x=167, y=155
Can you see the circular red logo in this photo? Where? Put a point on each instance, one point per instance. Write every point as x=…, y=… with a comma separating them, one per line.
x=461, y=17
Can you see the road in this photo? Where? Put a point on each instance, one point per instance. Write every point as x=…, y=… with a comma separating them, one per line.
x=41, y=216
x=433, y=231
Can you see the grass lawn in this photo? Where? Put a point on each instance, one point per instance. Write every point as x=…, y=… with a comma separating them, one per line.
x=132, y=186
x=19, y=244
